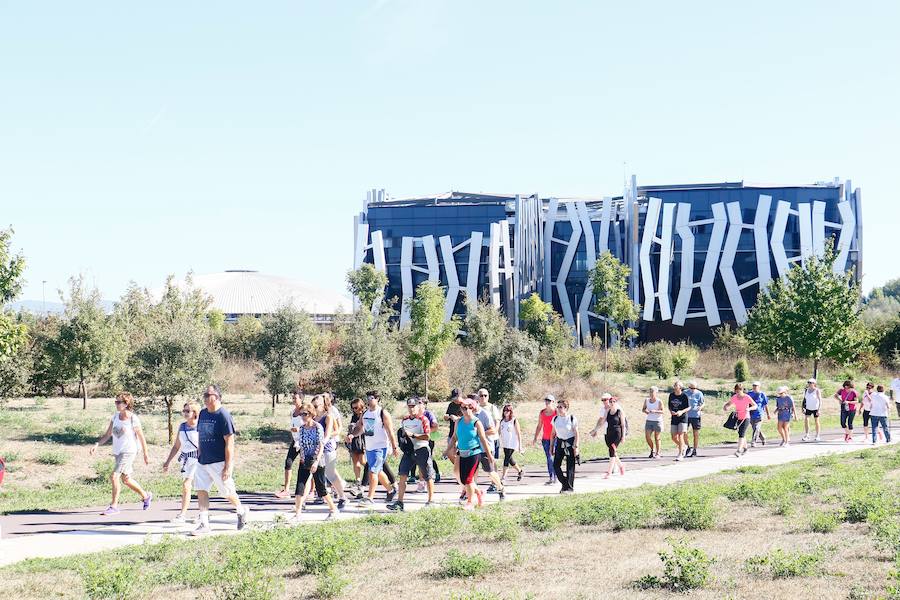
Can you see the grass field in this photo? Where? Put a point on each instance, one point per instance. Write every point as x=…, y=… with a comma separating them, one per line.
x=46, y=442
x=823, y=528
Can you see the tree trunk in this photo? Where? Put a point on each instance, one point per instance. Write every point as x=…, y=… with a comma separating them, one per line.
x=83, y=388
x=168, y=400
x=426, y=383
x=816, y=368
x=273, y=404
x=605, y=346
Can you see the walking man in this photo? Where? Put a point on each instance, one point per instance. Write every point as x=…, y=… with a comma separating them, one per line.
x=378, y=428
x=762, y=402
x=679, y=405
x=695, y=401
x=215, y=465
x=416, y=453
x=895, y=393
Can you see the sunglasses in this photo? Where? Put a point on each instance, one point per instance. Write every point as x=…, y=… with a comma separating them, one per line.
x=120, y=402
x=465, y=408
x=186, y=411
x=304, y=414
x=208, y=395
x=482, y=395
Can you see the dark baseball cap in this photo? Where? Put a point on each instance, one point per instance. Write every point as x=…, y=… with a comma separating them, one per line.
x=455, y=393
x=412, y=401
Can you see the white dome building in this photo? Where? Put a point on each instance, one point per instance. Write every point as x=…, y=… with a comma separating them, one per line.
x=244, y=292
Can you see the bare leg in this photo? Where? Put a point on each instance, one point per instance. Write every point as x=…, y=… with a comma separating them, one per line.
x=696, y=439
x=287, y=480
x=656, y=439
x=186, y=495
x=134, y=485
x=116, y=489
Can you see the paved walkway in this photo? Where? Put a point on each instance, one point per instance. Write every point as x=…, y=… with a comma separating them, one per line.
x=66, y=532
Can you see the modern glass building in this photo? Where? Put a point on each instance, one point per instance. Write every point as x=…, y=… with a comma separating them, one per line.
x=699, y=253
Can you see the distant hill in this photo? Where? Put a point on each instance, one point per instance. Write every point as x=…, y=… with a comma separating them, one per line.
x=53, y=308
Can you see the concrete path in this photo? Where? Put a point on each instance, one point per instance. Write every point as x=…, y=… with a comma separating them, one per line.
x=66, y=532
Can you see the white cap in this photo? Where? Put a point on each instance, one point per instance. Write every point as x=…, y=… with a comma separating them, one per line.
x=756, y=384
x=782, y=389
x=606, y=396
x=550, y=397
x=811, y=380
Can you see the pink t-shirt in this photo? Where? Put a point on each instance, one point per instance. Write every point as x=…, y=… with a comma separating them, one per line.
x=848, y=397
x=741, y=405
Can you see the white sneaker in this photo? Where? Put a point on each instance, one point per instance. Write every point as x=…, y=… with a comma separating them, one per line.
x=203, y=529
x=181, y=519
x=677, y=458
x=818, y=438
x=805, y=438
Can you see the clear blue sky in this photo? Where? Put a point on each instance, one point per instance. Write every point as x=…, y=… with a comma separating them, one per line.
x=141, y=139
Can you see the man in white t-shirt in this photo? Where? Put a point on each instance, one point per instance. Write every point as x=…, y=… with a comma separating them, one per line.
x=895, y=393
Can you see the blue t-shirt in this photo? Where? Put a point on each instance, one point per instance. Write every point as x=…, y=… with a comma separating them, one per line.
x=212, y=429
x=760, y=399
x=695, y=400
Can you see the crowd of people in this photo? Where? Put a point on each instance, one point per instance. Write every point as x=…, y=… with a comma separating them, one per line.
x=479, y=433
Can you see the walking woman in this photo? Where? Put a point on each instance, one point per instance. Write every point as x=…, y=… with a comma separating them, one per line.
x=293, y=447
x=653, y=425
x=847, y=396
x=742, y=404
x=187, y=446
x=564, y=446
x=545, y=430
x=510, y=441
x=812, y=403
x=311, y=440
x=880, y=414
x=356, y=445
x=470, y=442
x=615, y=432
x=784, y=412
x=867, y=407
x=126, y=433
x=325, y=418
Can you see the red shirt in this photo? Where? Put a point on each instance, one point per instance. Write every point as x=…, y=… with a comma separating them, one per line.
x=848, y=396
x=741, y=405
x=546, y=424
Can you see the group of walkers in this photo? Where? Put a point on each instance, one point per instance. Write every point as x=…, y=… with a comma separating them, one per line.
x=479, y=433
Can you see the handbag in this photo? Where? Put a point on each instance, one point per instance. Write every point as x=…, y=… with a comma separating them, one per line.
x=731, y=422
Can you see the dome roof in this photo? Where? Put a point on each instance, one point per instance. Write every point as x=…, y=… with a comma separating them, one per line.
x=240, y=292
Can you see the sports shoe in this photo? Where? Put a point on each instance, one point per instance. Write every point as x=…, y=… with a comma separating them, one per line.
x=148, y=500
x=410, y=479
x=501, y=494
x=492, y=489
x=242, y=517
x=687, y=451
x=391, y=494
x=753, y=444
x=737, y=453
x=282, y=494
x=341, y=503
x=519, y=476
x=678, y=456
x=763, y=440
x=202, y=529
x=365, y=501
x=744, y=451
x=420, y=487
x=110, y=510
x=805, y=438
x=397, y=505
x=781, y=445
x=652, y=454
x=549, y=482
x=428, y=504
x=462, y=496
x=330, y=516
x=179, y=519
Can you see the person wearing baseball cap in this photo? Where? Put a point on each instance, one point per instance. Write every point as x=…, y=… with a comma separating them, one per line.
x=812, y=402
x=545, y=430
x=414, y=433
x=762, y=403
x=784, y=411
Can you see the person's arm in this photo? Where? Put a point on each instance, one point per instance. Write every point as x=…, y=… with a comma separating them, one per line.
x=357, y=429
x=103, y=438
x=752, y=405
x=537, y=430
x=577, y=435
x=175, y=448
x=519, y=436
x=229, y=457
x=482, y=437
x=139, y=434
x=701, y=404
x=727, y=405
x=599, y=424
x=391, y=434
x=426, y=429
x=552, y=439
x=768, y=416
x=644, y=408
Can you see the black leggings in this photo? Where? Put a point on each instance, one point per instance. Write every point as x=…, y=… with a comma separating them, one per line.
x=847, y=417
x=564, y=451
x=292, y=454
x=388, y=472
x=866, y=418
x=303, y=474
x=613, y=439
x=508, y=460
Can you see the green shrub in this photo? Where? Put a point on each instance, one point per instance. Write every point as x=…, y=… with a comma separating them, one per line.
x=860, y=501
x=780, y=564
x=494, y=524
x=543, y=514
x=158, y=551
x=424, y=527
x=741, y=370
x=687, y=507
x=893, y=587
x=655, y=358
x=684, y=357
x=457, y=564
x=53, y=457
x=684, y=568
x=885, y=526
x=104, y=580
x=330, y=584
x=824, y=521
x=324, y=548
x=247, y=585
x=620, y=512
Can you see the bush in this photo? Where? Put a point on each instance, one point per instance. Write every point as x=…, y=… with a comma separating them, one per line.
x=159, y=551
x=620, y=512
x=655, y=358
x=862, y=500
x=824, y=521
x=885, y=526
x=457, y=564
x=543, y=514
x=684, y=568
x=495, y=525
x=741, y=370
x=684, y=357
x=53, y=457
x=423, y=527
x=781, y=564
x=330, y=585
x=103, y=580
x=247, y=584
x=686, y=507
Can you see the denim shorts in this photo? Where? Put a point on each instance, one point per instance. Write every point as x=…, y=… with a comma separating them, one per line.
x=376, y=459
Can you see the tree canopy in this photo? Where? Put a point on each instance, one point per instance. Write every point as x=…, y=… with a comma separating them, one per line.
x=429, y=335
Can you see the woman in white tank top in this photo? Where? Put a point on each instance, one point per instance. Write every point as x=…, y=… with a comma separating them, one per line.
x=812, y=402
x=653, y=408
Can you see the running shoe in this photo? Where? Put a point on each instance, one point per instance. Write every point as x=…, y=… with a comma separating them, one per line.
x=282, y=494
x=753, y=444
x=687, y=451
x=110, y=510
x=549, y=482
x=462, y=496
x=652, y=454
x=781, y=445
x=737, y=453
x=180, y=519
x=818, y=438
x=678, y=456
x=148, y=500
x=420, y=487
x=787, y=445
x=202, y=529
x=330, y=516
x=519, y=476
x=468, y=506
x=341, y=503
x=492, y=489
x=242, y=518
x=501, y=494
x=364, y=501
x=744, y=451
x=410, y=479
x=397, y=505
x=428, y=504
x=763, y=440
x=805, y=438
x=391, y=494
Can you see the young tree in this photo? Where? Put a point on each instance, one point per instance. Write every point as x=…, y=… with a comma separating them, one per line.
x=505, y=369
x=368, y=358
x=241, y=340
x=429, y=336
x=84, y=335
x=367, y=284
x=544, y=325
x=286, y=347
x=12, y=268
x=812, y=313
x=485, y=327
x=609, y=279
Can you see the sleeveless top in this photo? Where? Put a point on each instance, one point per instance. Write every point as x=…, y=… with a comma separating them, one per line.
x=467, y=438
x=309, y=440
x=547, y=424
x=190, y=441
x=614, y=420
x=812, y=399
x=654, y=417
x=508, y=437
x=330, y=444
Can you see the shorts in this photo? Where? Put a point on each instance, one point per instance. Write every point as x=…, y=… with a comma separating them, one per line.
x=487, y=465
x=866, y=418
x=508, y=457
x=124, y=463
x=420, y=460
x=189, y=468
x=678, y=428
x=694, y=423
x=742, y=427
x=376, y=459
x=811, y=413
x=291, y=456
x=211, y=474
x=654, y=426
x=468, y=468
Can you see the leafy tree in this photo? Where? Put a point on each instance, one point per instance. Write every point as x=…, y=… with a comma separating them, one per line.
x=369, y=358
x=286, y=347
x=84, y=335
x=367, y=283
x=216, y=320
x=429, y=336
x=543, y=325
x=49, y=370
x=12, y=268
x=131, y=323
x=485, y=326
x=609, y=279
x=505, y=369
x=812, y=313
x=241, y=340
